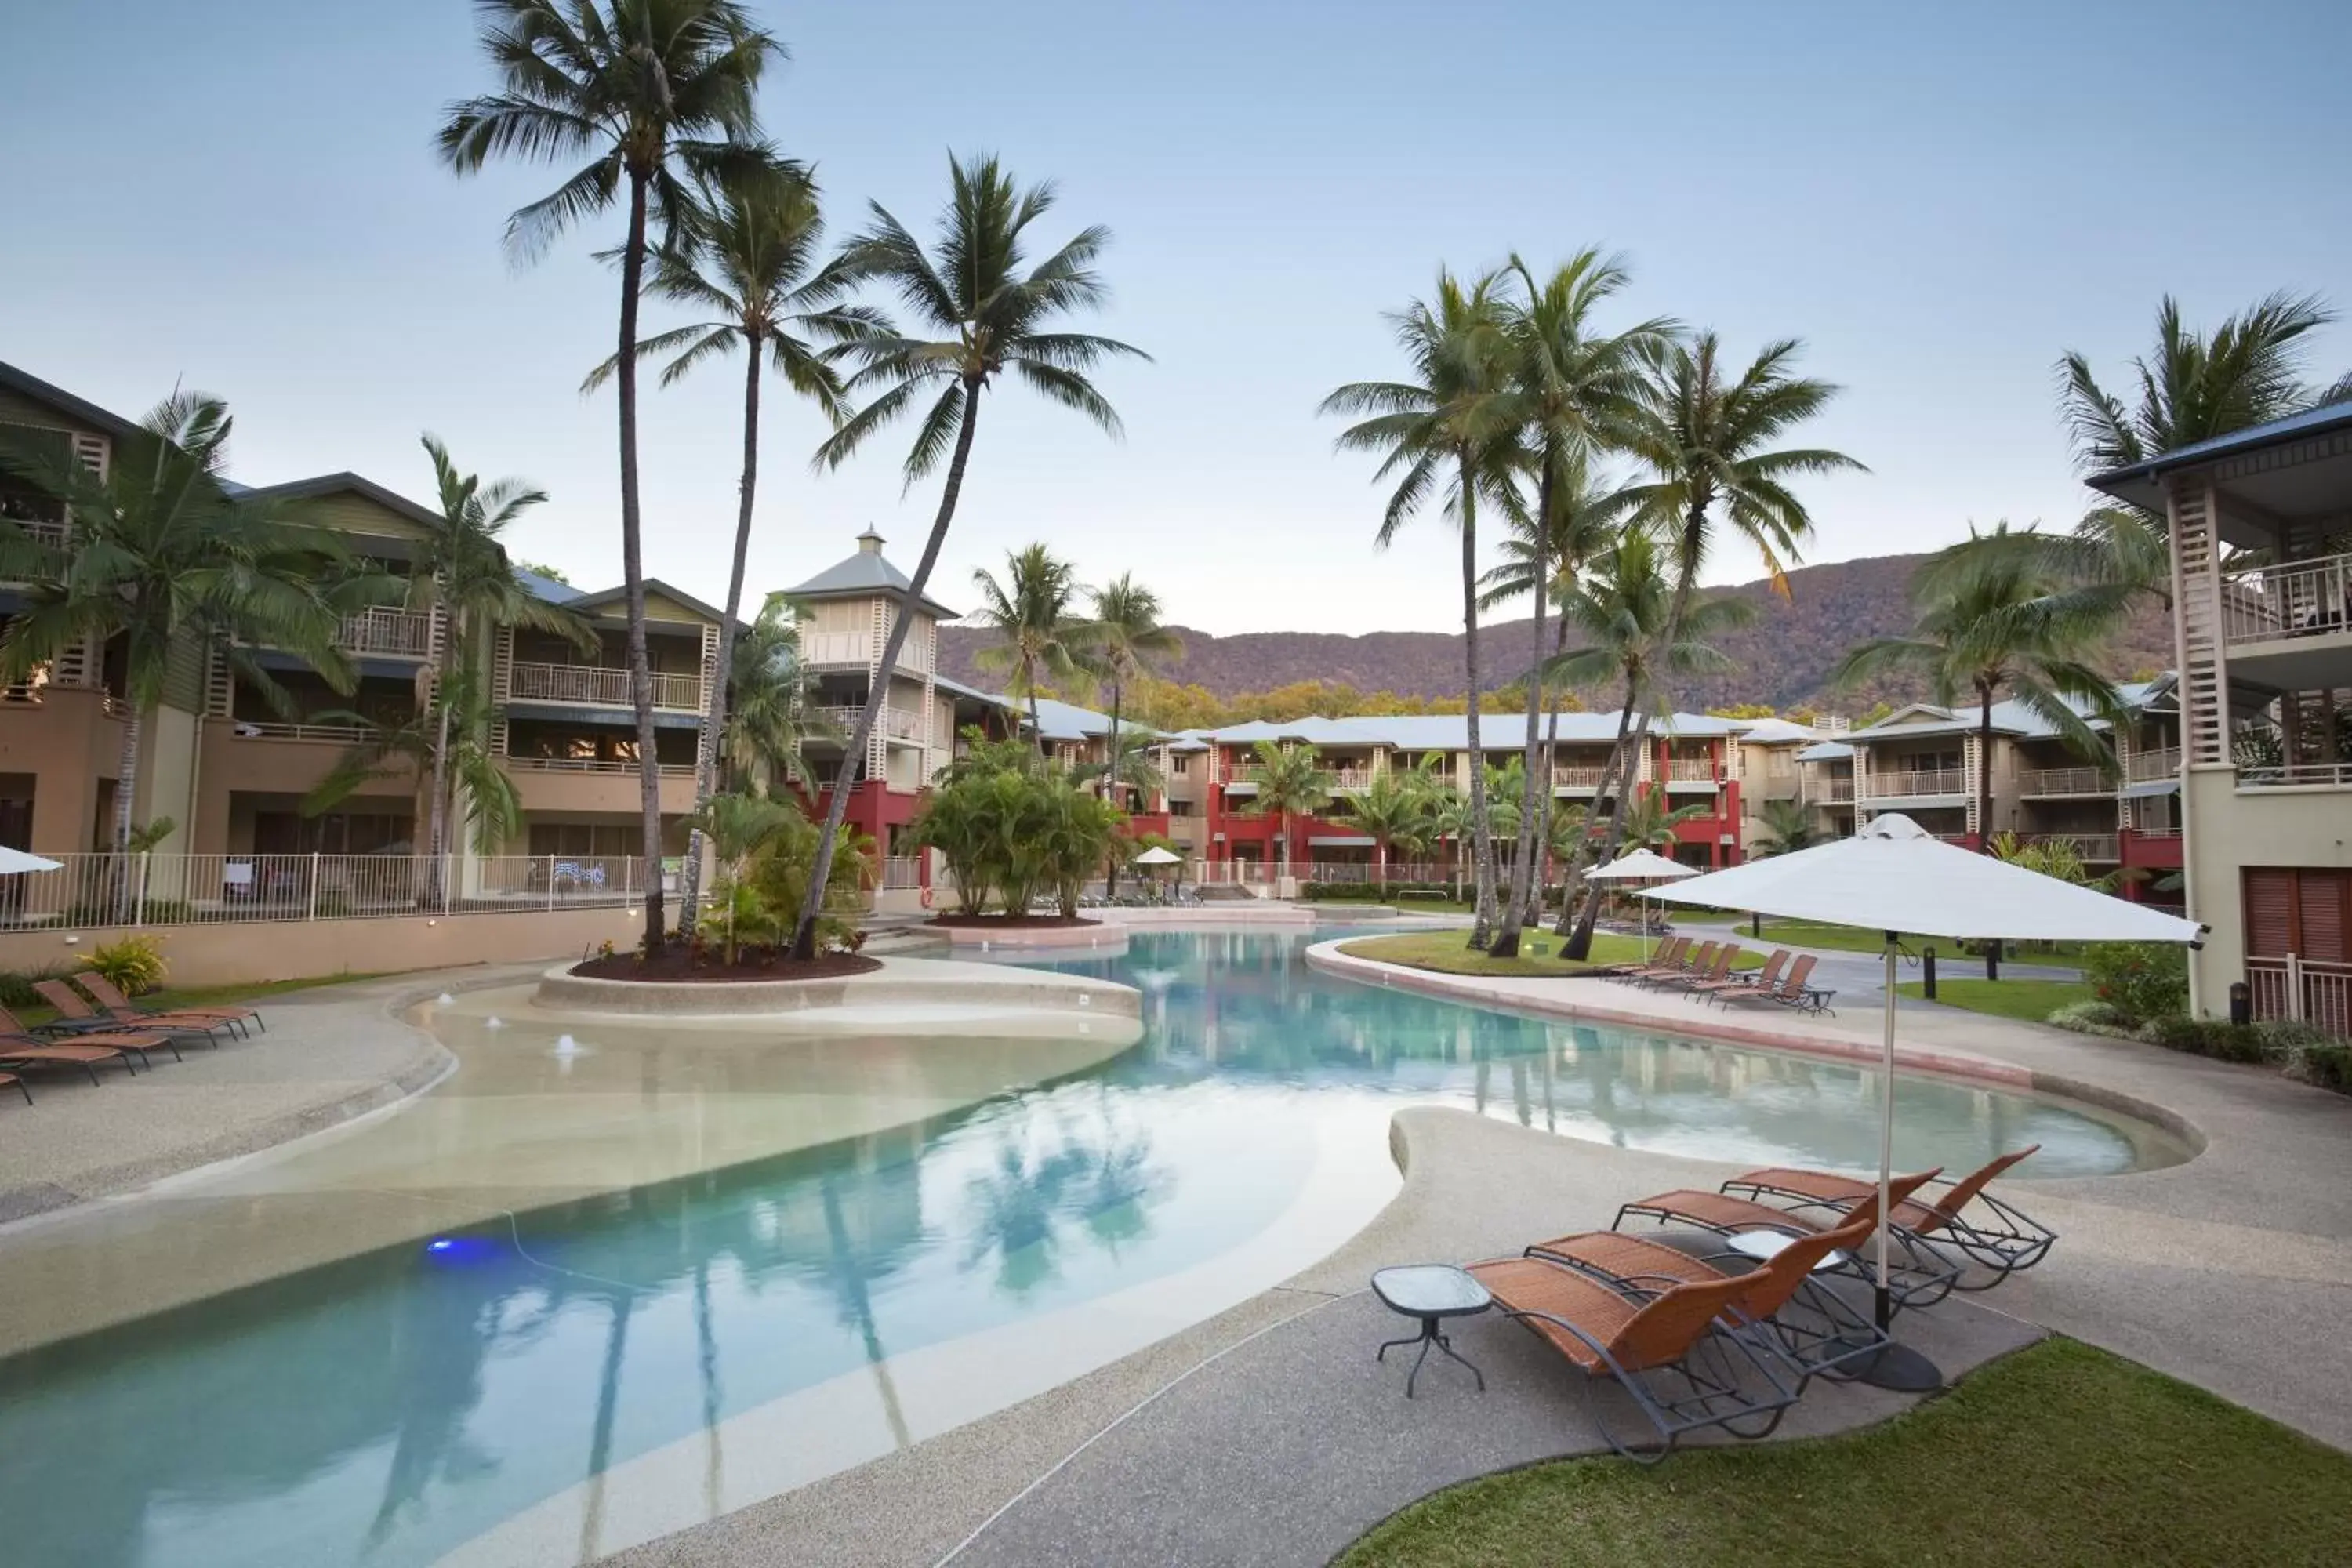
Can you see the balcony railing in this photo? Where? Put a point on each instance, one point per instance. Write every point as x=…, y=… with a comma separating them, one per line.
x=1575, y=777
x=900, y=872
x=2291, y=599
x=2303, y=990
x=2147, y=767
x=406, y=634
x=832, y=650
x=599, y=688
x=896, y=724
x=2292, y=775
x=1917, y=782
x=1350, y=778
x=42, y=532
x=2089, y=845
x=1839, y=790
x=337, y=734
x=1690, y=770
x=592, y=765
x=2064, y=781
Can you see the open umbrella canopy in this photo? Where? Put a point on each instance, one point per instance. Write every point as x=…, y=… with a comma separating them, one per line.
x=1158, y=855
x=14, y=862
x=1895, y=875
x=1641, y=866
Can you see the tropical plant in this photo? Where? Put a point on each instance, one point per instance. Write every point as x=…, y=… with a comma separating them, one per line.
x=1576, y=388
x=779, y=882
x=451, y=730
x=1392, y=809
x=133, y=964
x=1080, y=837
x=1126, y=638
x=463, y=571
x=1290, y=783
x=1453, y=433
x=163, y=562
x=1125, y=766
x=659, y=95
x=2054, y=858
x=739, y=826
x=1788, y=827
x=146, y=836
x=753, y=274
x=1708, y=440
x=1042, y=642
x=770, y=718
x=1649, y=822
x=1989, y=618
x=989, y=317
x=1008, y=829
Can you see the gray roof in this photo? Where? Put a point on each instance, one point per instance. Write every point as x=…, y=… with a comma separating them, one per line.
x=861, y=575
x=1775, y=733
x=2008, y=718
x=1827, y=751
x=58, y=397
x=357, y=484
x=618, y=596
x=541, y=586
x=1451, y=732
x=2132, y=482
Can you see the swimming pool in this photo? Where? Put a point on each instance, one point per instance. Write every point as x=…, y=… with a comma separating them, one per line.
x=602, y=1369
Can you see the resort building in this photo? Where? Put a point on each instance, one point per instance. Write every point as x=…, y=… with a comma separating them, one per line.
x=2259, y=525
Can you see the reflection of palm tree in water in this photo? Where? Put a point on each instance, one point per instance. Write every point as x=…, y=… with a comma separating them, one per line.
x=849, y=1277
x=1019, y=1206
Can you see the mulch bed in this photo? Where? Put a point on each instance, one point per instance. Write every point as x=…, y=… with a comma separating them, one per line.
x=676, y=963
x=1011, y=922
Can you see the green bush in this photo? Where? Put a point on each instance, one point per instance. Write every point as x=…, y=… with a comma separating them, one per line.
x=134, y=964
x=2327, y=1063
x=2091, y=1017
x=1012, y=829
x=16, y=987
x=2214, y=1037
x=2144, y=981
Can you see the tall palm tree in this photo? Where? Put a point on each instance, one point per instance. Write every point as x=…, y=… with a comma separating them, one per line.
x=1788, y=827
x=1578, y=387
x=657, y=95
x=1624, y=613
x=988, y=317
x=446, y=741
x=1993, y=618
x=1707, y=439
x=1290, y=784
x=1126, y=638
x=1389, y=809
x=464, y=572
x=161, y=558
x=1033, y=612
x=755, y=276
x=768, y=715
x=1453, y=434
x=1651, y=819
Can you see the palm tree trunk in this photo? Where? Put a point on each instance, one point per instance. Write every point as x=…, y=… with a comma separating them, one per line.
x=1984, y=769
x=1550, y=767
x=1507, y=939
x=714, y=702
x=633, y=566
x=126, y=785
x=437, y=809
x=804, y=930
x=1617, y=776
x=1110, y=783
x=1482, y=837
x=1037, y=723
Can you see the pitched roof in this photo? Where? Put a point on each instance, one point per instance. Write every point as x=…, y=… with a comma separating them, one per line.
x=861, y=575
x=2009, y=718
x=2133, y=481
x=58, y=397
x=541, y=586
x=357, y=484
x=1827, y=751
x=1777, y=732
x=1451, y=732
x=619, y=597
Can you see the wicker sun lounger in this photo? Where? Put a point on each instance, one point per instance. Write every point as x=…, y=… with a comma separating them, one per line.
x=1962, y=1215
x=20, y=1049
x=9, y=1077
x=1674, y=948
x=77, y=1024
x=1793, y=990
x=1691, y=961
x=1805, y=1322
x=1920, y=1276
x=75, y=1013
x=123, y=1010
x=1763, y=979
x=1679, y=1364
x=1724, y=957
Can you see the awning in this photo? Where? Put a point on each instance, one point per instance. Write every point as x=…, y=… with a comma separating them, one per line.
x=1340, y=840
x=2147, y=787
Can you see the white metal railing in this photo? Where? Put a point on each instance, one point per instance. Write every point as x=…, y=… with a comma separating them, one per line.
x=1690, y=770
x=2063, y=781
x=408, y=633
x=41, y=531
x=1575, y=777
x=2303, y=990
x=599, y=687
x=335, y=734
x=160, y=890
x=1837, y=789
x=2290, y=599
x=1242, y=773
x=1916, y=782
x=2147, y=767
x=2290, y=775
x=1367, y=871
x=592, y=765
x=1350, y=778
x=900, y=872
x=2089, y=845
x=898, y=723
x=834, y=650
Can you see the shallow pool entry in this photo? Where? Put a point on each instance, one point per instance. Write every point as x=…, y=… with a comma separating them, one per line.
x=572, y=1377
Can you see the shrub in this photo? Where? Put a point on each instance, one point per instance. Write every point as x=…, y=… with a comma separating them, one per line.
x=2327, y=1063
x=2214, y=1037
x=2091, y=1017
x=2142, y=980
x=1011, y=830
x=16, y=988
x=133, y=964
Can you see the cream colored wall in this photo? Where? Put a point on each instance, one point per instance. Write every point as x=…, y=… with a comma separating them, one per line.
x=2229, y=830
x=547, y=793
x=257, y=950
x=167, y=767
x=68, y=745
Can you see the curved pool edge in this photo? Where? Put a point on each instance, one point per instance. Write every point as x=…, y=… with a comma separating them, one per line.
x=1989, y=1072
x=989, y=991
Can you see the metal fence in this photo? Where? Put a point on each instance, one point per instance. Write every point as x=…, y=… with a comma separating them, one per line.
x=213, y=889
x=2306, y=990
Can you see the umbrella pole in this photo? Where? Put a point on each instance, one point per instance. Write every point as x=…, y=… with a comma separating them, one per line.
x=1897, y=1367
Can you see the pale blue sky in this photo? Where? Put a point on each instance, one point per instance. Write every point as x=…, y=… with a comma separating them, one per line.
x=244, y=197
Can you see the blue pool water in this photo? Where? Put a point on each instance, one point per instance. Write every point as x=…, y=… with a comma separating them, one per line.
x=389, y=1409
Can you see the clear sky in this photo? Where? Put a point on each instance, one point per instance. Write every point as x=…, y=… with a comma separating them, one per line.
x=1938, y=200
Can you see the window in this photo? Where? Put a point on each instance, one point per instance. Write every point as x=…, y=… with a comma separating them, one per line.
x=2306, y=912
x=1180, y=808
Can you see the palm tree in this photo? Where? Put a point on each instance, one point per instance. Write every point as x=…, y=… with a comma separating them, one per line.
x=659, y=95
x=1788, y=827
x=160, y=557
x=1042, y=643
x=1990, y=619
x=1707, y=443
x=1452, y=433
x=1289, y=784
x=754, y=275
x=1625, y=614
x=1391, y=809
x=740, y=826
x=446, y=741
x=1125, y=637
x=990, y=317
x=1650, y=820
x=768, y=715
x=464, y=571
x=1578, y=388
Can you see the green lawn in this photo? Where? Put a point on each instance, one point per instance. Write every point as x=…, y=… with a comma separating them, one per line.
x=171, y=996
x=2031, y=1000
x=1859, y=939
x=2060, y=1454
x=1447, y=953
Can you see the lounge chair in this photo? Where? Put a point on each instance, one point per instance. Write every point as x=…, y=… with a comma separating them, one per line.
x=1764, y=978
x=76, y=1022
x=1995, y=1236
x=1724, y=957
x=1666, y=1349
x=1674, y=948
x=1690, y=961
x=113, y=1002
x=1793, y=990
x=20, y=1049
x=8, y=1077
x=1798, y=1318
x=1918, y=1275
x=115, y=1012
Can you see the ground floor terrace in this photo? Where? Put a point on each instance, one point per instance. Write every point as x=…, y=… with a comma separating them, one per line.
x=862, y=1297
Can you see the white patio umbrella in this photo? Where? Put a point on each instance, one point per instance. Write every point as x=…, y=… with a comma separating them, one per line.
x=1895, y=876
x=1159, y=854
x=15, y=862
x=1641, y=865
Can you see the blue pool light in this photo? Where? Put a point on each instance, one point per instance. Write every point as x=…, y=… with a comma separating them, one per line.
x=461, y=1248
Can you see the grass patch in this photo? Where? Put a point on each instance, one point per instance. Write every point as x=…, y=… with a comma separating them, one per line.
x=1862, y=938
x=171, y=996
x=2030, y=1000
x=2060, y=1454
x=1448, y=953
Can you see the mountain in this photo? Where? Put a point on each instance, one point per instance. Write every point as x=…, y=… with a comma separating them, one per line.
x=1782, y=658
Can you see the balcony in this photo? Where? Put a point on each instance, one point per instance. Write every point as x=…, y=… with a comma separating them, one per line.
x=592, y=765
x=2149, y=767
x=2091, y=846
x=2291, y=599
x=1583, y=780
x=595, y=687
x=860, y=650
x=328, y=734
x=1691, y=770
x=2063, y=782
x=1350, y=778
x=1836, y=792
x=401, y=634
x=1915, y=783
x=896, y=723
x=2297, y=775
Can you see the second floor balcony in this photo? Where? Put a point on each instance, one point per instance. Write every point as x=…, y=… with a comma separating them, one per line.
x=1838, y=790
x=901, y=724
x=2148, y=767
x=2063, y=782
x=1913, y=783
x=2290, y=599
x=596, y=686
x=400, y=634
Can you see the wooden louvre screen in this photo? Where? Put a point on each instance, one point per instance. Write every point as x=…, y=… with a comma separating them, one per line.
x=2306, y=912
